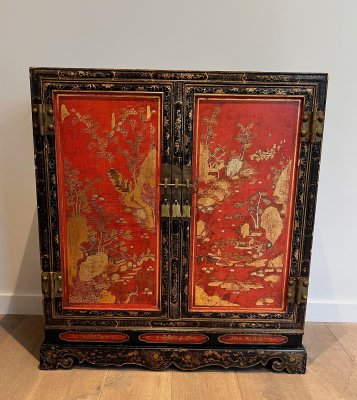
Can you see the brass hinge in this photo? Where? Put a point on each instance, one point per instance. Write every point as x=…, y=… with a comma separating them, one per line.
x=301, y=292
x=291, y=290
x=51, y=284
x=312, y=126
x=297, y=290
x=42, y=119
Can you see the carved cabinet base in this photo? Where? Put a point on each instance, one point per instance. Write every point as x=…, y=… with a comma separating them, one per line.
x=66, y=356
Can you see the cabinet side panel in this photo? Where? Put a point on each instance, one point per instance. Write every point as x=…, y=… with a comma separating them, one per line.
x=108, y=170
x=246, y=160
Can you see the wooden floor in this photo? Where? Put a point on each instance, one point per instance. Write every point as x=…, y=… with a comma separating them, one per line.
x=331, y=372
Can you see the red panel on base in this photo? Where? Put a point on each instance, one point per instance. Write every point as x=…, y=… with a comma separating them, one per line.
x=252, y=339
x=173, y=338
x=94, y=337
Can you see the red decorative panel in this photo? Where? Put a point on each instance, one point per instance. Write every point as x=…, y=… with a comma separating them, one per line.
x=108, y=167
x=253, y=339
x=173, y=338
x=94, y=337
x=246, y=152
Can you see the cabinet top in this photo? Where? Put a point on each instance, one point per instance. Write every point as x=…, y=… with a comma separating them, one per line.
x=237, y=76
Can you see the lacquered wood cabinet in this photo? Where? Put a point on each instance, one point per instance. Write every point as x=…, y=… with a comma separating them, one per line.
x=176, y=214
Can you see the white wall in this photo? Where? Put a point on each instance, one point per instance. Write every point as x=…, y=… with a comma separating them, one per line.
x=283, y=35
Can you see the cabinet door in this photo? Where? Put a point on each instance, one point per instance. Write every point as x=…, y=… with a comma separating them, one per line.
x=244, y=248
x=99, y=169
x=108, y=163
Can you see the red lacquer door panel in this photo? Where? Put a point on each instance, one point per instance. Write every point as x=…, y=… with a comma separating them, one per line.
x=245, y=159
x=108, y=167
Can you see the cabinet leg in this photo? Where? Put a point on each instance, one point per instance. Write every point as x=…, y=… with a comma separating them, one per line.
x=55, y=356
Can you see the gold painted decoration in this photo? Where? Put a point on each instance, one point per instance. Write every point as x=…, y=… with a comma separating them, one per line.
x=108, y=163
x=245, y=161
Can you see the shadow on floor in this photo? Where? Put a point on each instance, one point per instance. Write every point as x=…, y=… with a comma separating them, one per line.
x=27, y=330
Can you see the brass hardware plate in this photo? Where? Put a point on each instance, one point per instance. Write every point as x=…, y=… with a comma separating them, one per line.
x=57, y=279
x=305, y=128
x=319, y=126
x=176, y=184
x=291, y=290
x=301, y=294
x=43, y=121
x=51, y=284
x=46, y=284
x=312, y=126
x=297, y=290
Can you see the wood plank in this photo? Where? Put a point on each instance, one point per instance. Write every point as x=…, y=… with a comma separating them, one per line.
x=20, y=378
x=260, y=383
x=331, y=373
x=346, y=335
x=18, y=365
x=136, y=384
x=215, y=384
x=83, y=383
x=24, y=338
x=8, y=323
x=25, y=379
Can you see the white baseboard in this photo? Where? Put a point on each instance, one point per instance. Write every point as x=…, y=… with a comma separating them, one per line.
x=316, y=310
x=20, y=304
x=331, y=312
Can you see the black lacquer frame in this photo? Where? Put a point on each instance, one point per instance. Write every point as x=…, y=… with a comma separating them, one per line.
x=178, y=89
